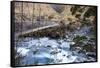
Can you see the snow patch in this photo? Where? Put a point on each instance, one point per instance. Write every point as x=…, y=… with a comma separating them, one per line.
x=22, y=51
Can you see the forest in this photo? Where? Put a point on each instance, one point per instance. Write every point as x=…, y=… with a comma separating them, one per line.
x=54, y=33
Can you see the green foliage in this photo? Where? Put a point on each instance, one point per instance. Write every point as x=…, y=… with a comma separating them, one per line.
x=91, y=12
x=89, y=47
x=79, y=38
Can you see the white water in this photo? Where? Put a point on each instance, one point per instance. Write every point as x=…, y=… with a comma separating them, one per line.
x=48, y=51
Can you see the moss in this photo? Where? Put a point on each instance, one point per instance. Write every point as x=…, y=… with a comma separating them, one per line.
x=89, y=48
x=79, y=38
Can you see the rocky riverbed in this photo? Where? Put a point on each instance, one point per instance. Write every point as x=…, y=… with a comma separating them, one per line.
x=76, y=46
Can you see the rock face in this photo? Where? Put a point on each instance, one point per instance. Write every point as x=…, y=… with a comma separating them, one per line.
x=72, y=16
x=69, y=13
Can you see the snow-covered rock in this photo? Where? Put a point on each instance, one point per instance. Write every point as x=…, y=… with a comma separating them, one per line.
x=65, y=45
x=22, y=51
x=56, y=49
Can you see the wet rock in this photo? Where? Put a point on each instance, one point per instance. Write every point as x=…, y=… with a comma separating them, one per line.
x=64, y=55
x=91, y=54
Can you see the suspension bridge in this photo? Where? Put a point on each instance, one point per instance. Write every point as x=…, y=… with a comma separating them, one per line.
x=40, y=27
x=31, y=27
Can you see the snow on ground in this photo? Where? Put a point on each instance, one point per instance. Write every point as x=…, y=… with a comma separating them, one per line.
x=49, y=51
x=22, y=51
x=43, y=48
x=65, y=45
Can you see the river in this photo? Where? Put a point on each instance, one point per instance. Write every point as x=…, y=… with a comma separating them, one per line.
x=45, y=50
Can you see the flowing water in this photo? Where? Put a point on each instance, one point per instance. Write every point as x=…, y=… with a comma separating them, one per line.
x=45, y=50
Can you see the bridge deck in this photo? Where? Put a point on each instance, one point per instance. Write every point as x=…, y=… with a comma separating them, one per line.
x=35, y=29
